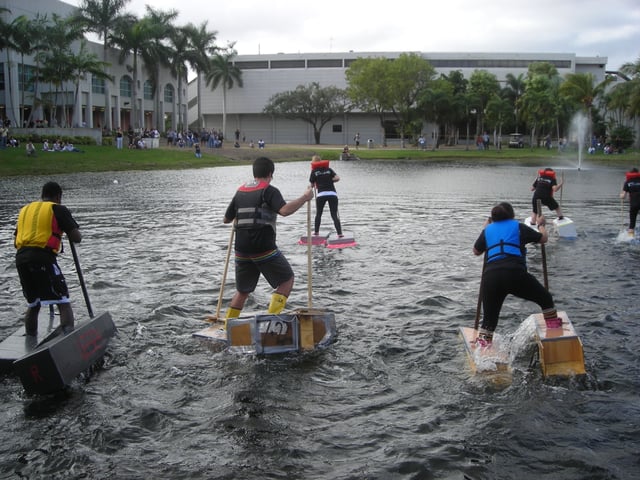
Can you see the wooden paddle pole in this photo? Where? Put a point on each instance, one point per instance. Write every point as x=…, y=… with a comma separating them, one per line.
x=224, y=274
x=309, y=266
x=544, y=252
x=81, y=279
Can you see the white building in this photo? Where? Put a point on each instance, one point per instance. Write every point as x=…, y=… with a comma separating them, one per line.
x=88, y=108
x=266, y=75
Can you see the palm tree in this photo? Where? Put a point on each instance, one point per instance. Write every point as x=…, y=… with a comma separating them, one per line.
x=178, y=61
x=158, y=52
x=134, y=36
x=59, y=35
x=82, y=63
x=514, y=89
x=100, y=17
x=222, y=72
x=633, y=71
x=7, y=43
x=202, y=44
x=39, y=28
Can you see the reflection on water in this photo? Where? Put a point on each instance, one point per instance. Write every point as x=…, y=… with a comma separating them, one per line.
x=393, y=397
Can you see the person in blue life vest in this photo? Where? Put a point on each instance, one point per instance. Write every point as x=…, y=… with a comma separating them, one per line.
x=323, y=179
x=631, y=187
x=254, y=208
x=503, y=241
x=38, y=240
x=544, y=186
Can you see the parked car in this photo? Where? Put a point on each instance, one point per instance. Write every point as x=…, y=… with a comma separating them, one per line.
x=516, y=140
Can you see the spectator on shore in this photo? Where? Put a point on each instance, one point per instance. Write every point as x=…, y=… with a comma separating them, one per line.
x=31, y=149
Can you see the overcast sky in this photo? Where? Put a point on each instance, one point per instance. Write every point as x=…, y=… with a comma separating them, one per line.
x=607, y=28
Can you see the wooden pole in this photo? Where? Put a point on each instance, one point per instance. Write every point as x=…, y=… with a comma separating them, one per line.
x=544, y=252
x=226, y=267
x=309, y=266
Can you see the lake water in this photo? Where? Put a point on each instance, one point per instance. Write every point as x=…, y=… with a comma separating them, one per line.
x=393, y=397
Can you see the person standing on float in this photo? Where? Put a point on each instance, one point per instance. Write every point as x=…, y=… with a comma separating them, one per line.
x=631, y=187
x=255, y=208
x=544, y=186
x=505, y=271
x=38, y=240
x=323, y=178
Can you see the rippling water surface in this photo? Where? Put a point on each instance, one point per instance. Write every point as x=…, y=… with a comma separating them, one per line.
x=392, y=398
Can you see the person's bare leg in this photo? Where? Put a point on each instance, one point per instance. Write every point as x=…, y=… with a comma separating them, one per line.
x=31, y=320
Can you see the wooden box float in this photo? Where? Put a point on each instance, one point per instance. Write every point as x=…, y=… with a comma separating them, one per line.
x=560, y=349
x=484, y=360
x=52, y=366
x=304, y=329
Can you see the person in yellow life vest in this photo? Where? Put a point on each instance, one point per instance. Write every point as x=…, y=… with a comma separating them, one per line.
x=255, y=208
x=38, y=240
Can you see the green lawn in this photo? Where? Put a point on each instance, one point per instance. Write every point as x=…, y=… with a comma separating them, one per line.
x=13, y=161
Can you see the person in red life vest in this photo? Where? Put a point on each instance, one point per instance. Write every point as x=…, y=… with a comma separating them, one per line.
x=631, y=186
x=543, y=189
x=323, y=179
x=38, y=240
x=255, y=208
x=504, y=241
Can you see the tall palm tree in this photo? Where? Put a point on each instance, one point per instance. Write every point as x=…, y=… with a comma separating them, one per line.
x=179, y=45
x=514, y=88
x=222, y=72
x=633, y=71
x=23, y=45
x=158, y=52
x=202, y=44
x=81, y=64
x=100, y=17
x=134, y=36
x=60, y=34
x=7, y=43
x=39, y=28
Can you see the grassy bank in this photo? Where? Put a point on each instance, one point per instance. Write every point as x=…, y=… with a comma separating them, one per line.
x=14, y=161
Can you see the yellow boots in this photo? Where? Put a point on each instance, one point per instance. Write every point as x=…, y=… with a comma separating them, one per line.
x=277, y=304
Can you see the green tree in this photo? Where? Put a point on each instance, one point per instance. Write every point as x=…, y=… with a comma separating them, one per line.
x=482, y=86
x=201, y=45
x=499, y=111
x=412, y=76
x=57, y=67
x=368, y=88
x=513, y=90
x=158, y=53
x=101, y=17
x=632, y=70
x=539, y=102
x=311, y=103
x=82, y=63
x=179, y=40
x=223, y=72
x=135, y=37
x=7, y=43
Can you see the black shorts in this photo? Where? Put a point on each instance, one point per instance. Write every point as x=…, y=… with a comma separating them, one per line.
x=546, y=201
x=276, y=270
x=43, y=283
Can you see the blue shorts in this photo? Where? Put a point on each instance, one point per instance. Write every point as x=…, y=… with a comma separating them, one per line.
x=274, y=267
x=43, y=283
